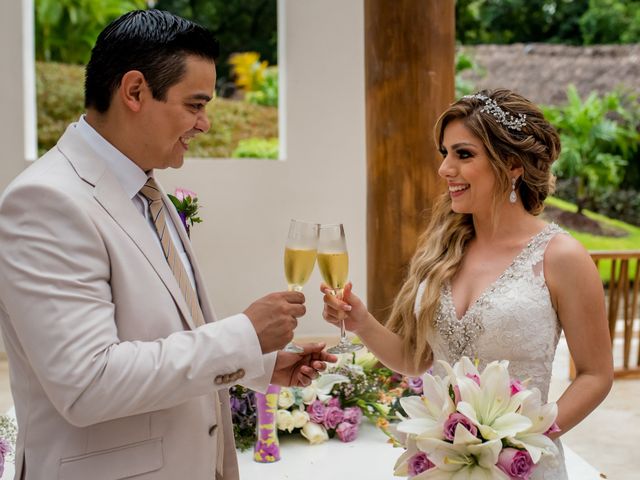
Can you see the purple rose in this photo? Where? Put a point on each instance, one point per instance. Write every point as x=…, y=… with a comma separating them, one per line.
x=516, y=386
x=316, y=411
x=552, y=429
x=419, y=463
x=333, y=402
x=515, y=463
x=473, y=377
x=347, y=432
x=5, y=448
x=182, y=193
x=415, y=384
x=333, y=416
x=453, y=421
x=352, y=415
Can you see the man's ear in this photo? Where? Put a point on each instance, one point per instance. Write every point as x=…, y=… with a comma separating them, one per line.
x=132, y=89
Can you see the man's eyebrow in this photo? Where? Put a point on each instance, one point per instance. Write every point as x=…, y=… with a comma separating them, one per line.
x=200, y=96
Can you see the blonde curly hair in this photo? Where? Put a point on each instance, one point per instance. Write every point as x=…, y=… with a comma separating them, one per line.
x=441, y=247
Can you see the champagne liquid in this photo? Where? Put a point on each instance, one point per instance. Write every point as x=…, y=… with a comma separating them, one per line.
x=334, y=268
x=298, y=265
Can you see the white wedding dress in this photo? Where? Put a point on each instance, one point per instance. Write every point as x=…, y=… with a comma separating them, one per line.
x=512, y=320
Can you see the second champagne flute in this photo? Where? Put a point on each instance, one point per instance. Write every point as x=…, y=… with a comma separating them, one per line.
x=299, y=259
x=333, y=261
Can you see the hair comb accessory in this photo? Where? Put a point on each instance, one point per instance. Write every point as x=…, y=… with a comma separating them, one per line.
x=506, y=119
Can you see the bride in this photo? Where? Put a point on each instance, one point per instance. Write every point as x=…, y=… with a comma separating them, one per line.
x=490, y=279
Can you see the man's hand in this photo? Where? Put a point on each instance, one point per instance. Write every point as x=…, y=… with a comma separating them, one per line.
x=299, y=369
x=274, y=317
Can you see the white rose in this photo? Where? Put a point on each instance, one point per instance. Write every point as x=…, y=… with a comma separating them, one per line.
x=309, y=395
x=300, y=418
x=314, y=433
x=286, y=398
x=284, y=420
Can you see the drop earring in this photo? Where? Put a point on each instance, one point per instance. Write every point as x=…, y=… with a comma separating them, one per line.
x=512, y=195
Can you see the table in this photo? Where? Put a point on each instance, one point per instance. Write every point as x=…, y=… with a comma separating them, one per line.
x=369, y=457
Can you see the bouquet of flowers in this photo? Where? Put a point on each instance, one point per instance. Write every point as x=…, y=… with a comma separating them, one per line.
x=475, y=425
x=186, y=203
x=8, y=433
x=333, y=405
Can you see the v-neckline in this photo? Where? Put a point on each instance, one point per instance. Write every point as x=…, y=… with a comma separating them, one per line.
x=489, y=288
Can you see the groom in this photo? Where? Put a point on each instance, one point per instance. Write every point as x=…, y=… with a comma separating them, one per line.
x=119, y=368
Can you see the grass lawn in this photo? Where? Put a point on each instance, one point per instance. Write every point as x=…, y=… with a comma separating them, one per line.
x=597, y=242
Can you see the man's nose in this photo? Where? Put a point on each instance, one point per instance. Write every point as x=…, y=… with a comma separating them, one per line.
x=203, y=124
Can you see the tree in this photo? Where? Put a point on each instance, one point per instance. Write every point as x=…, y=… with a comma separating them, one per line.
x=66, y=30
x=597, y=137
x=240, y=26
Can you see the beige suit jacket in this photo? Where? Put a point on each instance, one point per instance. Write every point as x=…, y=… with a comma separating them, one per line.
x=109, y=376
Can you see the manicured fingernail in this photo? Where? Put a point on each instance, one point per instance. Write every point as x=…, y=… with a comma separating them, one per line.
x=346, y=308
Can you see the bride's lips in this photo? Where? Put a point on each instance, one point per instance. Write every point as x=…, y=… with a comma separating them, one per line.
x=458, y=189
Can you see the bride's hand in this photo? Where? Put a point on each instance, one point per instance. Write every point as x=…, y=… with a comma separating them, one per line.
x=349, y=308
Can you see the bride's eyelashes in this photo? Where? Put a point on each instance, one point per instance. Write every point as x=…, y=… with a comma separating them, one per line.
x=461, y=153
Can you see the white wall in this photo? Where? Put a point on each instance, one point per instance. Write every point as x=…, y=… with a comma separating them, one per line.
x=17, y=121
x=247, y=204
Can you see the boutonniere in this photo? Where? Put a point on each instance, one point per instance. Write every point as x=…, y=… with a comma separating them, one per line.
x=186, y=203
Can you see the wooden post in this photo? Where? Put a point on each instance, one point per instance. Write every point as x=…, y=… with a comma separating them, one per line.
x=409, y=70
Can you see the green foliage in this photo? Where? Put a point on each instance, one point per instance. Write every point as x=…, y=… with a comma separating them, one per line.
x=464, y=62
x=597, y=242
x=574, y=22
x=597, y=138
x=257, y=148
x=255, y=78
x=66, y=30
x=611, y=21
x=60, y=101
x=240, y=26
x=267, y=92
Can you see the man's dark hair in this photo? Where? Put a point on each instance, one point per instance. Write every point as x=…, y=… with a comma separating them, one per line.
x=153, y=42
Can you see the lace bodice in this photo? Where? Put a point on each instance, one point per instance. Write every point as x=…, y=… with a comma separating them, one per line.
x=513, y=319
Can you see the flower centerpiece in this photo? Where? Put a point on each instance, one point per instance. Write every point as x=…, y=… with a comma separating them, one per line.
x=8, y=434
x=333, y=406
x=186, y=203
x=475, y=425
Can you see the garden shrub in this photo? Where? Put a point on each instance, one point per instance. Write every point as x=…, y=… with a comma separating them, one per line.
x=257, y=148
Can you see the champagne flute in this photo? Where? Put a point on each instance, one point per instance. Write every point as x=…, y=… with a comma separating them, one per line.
x=299, y=259
x=333, y=261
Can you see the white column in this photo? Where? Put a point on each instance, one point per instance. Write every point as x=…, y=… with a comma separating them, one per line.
x=17, y=89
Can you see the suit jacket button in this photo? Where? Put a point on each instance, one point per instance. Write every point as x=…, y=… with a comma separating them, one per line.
x=226, y=378
x=240, y=373
x=212, y=429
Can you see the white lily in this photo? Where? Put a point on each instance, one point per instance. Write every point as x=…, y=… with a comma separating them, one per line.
x=428, y=413
x=490, y=405
x=325, y=383
x=542, y=417
x=401, y=468
x=467, y=458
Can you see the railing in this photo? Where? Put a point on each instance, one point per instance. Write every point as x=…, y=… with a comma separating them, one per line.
x=622, y=290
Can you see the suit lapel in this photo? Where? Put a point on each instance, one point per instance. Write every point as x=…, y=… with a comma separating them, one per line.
x=110, y=195
x=205, y=304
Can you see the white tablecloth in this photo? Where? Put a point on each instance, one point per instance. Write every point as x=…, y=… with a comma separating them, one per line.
x=369, y=457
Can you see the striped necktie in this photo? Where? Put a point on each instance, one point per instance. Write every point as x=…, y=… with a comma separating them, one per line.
x=156, y=206
x=152, y=192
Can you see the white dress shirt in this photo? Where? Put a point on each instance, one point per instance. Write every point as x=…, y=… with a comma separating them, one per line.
x=132, y=178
